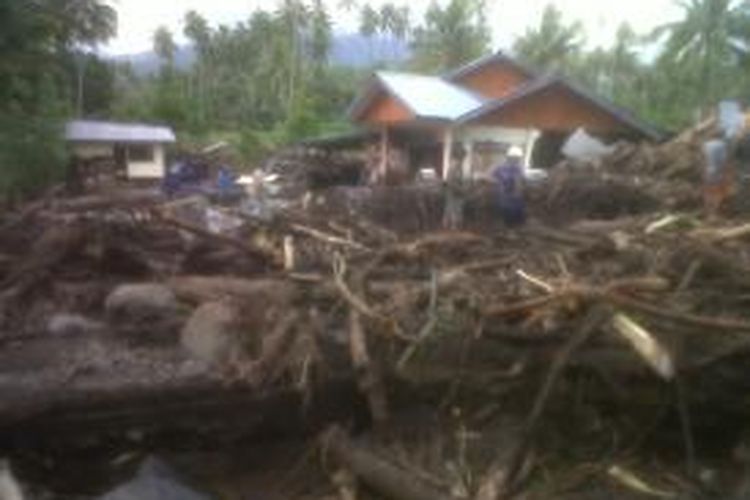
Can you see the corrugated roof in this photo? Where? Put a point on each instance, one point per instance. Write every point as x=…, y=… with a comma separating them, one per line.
x=427, y=97
x=98, y=131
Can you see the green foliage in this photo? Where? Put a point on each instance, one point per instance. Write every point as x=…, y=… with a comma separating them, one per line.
x=267, y=81
x=251, y=146
x=268, y=78
x=451, y=35
x=701, y=59
x=164, y=46
x=709, y=43
x=38, y=75
x=553, y=44
x=97, y=80
x=302, y=121
x=32, y=149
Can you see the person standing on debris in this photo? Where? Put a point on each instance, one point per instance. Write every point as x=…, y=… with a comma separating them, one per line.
x=723, y=154
x=509, y=178
x=225, y=183
x=742, y=163
x=717, y=179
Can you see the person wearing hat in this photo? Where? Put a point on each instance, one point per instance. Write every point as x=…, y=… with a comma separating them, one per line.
x=509, y=178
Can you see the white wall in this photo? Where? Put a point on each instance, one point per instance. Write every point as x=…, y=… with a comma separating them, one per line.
x=523, y=138
x=151, y=169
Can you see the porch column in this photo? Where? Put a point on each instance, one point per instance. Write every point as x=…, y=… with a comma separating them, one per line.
x=384, y=152
x=531, y=137
x=468, y=165
x=447, y=152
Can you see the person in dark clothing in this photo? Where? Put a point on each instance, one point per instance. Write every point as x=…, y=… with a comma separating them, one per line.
x=454, y=189
x=509, y=178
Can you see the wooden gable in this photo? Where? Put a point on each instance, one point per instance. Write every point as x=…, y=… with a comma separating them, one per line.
x=556, y=108
x=385, y=109
x=495, y=79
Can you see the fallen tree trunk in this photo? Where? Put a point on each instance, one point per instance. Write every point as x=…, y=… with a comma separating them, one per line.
x=378, y=474
x=129, y=200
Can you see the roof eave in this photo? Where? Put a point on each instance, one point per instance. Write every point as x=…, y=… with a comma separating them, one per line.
x=120, y=140
x=479, y=63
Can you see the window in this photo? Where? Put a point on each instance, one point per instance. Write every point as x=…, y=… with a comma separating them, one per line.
x=141, y=153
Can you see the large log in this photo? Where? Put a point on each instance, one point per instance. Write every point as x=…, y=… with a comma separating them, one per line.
x=379, y=474
x=123, y=200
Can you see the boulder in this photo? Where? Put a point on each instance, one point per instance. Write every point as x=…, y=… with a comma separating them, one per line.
x=10, y=488
x=213, y=333
x=65, y=324
x=262, y=301
x=141, y=301
x=199, y=289
x=155, y=480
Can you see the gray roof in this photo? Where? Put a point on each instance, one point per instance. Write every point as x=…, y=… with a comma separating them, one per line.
x=97, y=131
x=426, y=96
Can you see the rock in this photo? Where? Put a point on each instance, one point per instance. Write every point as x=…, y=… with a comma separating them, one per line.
x=199, y=289
x=141, y=301
x=213, y=333
x=155, y=480
x=10, y=489
x=65, y=324
x=262, y=301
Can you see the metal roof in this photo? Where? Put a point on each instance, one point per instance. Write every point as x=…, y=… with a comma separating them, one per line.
x=425, y=96
x=98, y=131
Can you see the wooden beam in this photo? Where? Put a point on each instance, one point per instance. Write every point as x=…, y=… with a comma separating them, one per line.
x=447, y=152
x=468, y=163
x=384, y=147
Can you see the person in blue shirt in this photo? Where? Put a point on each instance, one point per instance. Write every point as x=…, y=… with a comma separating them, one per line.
x=224, y=182
x=509, y=179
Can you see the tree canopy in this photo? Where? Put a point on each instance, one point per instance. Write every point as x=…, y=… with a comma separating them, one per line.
x=39, y=73
x=451, y=35
x=269, y=79
x=553, y=44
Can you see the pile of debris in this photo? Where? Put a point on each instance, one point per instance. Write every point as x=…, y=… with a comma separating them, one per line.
x=301, y=168
x=670, y=172
x=600, y=351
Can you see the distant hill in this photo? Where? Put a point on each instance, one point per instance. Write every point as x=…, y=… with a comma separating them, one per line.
x=351, y=50
x=357, y=51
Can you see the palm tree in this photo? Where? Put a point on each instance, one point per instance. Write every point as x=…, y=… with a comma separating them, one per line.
x=348, y=5
x=164, y=46
x=451, y=35
x=320, y=37
x=625, y=66
x=294, y=17
x=553, y=43
x=711, y=38
x=389, y=20
x=369, y=25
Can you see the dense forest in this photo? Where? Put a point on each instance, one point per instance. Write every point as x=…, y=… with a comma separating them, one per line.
x=268, y=80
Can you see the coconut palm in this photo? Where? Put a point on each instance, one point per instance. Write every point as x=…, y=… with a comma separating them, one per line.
x=451, y=35
x=553, y=43
x=709, y=40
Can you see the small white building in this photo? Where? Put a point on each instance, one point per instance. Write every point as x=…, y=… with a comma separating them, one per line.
x=137, y=150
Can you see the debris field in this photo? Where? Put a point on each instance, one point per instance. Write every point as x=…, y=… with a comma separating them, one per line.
x=601, y=351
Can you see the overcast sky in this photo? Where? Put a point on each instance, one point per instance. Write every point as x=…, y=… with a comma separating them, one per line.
x=138, y=19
